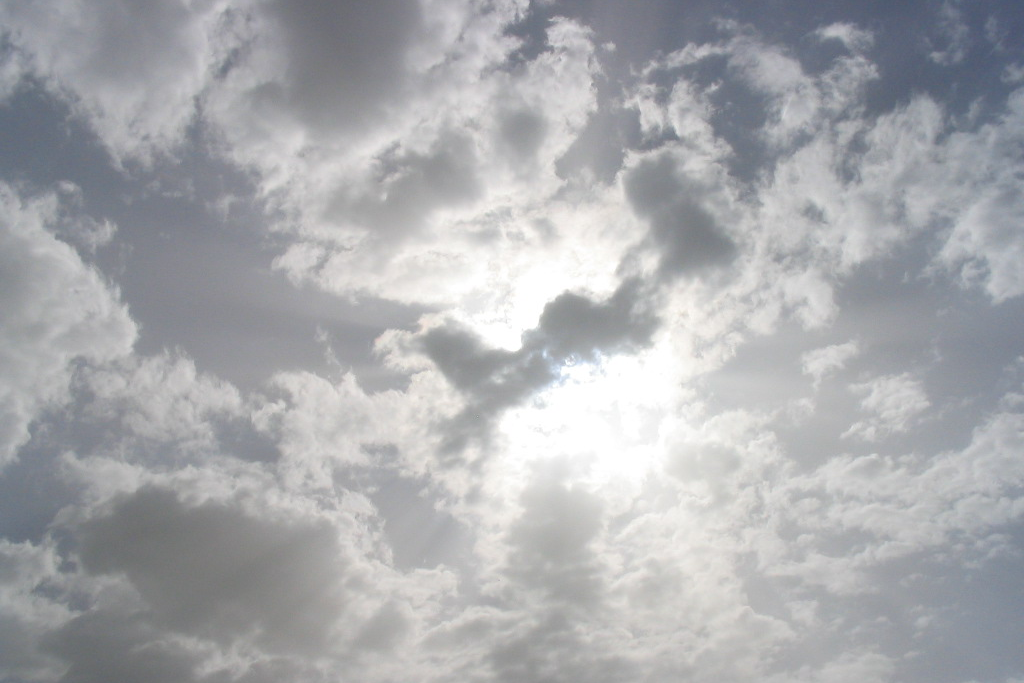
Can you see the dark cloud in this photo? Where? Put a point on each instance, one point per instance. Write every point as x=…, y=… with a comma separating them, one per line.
x=682, y=230
x=491, y=379
x=384, y=629
x=419, y=532
x=216, y=571
x=572, y=327
x=101, y=647
x=345, y=60
x=472, y=367
x=21, y=657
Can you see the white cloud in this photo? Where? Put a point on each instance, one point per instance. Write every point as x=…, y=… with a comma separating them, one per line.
x=985, y=242
x=858, y=206
x=851, y=36
x=396, y=213
x=56, y=310
x=905, y=505
x=161, y=399
x=893, y=403
x=133, y=70
x=606, y=393
x=320, y=427
x=798, y=103
x=820, y=363
x=954, y=35
x=1013, y=74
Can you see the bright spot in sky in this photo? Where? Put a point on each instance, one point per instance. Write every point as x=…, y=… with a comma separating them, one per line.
x=601, y=417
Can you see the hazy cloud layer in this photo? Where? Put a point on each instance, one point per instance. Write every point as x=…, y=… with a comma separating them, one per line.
x=511, y=341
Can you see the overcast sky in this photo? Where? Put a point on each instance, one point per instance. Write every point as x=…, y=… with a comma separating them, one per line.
x=511, y=341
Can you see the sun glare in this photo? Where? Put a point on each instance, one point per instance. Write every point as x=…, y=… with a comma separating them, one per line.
x=604, y=418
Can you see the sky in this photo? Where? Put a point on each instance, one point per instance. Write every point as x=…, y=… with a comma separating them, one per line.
x=511, y=341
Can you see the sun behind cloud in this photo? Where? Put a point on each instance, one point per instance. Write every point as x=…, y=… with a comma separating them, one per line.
x=492, y=341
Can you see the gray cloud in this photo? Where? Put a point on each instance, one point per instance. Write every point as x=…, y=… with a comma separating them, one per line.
x=693, y=475
x=550, y=543
x=109, y=646
x=548, y=650
x=521, y=133
x=571, y=327
x=600, y=146
x=491, y=379
x=344, y=60
x=685, y=234
x=413, y=185
x=218, y=572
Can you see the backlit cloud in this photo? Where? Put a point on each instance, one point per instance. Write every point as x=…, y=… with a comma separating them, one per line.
x=511, y=341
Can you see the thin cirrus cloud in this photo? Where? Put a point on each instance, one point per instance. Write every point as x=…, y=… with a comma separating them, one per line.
x=510, y=341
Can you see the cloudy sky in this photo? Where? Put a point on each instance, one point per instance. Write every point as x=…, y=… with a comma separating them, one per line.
x=511, y=341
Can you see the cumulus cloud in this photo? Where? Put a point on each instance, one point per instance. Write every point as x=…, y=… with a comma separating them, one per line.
x=56, y=310
x=27, y=615
x=707, y=365
x=160, y=399
x=131, y=70
x=905, y=504
x=381, y=213
x=209, y=576
x=100, y=646
x=215, y=571
x=892, y=402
